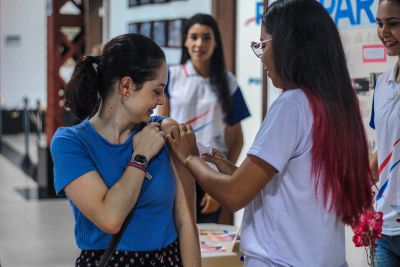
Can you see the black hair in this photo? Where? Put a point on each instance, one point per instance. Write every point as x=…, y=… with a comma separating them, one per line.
x=218, y=73
x=132, y=55
x=307, y=51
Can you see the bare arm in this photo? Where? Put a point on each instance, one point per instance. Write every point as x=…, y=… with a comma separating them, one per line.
x=234, y=141
x=236, y=191
x=232, y=191
x=184, y=209
x=106, y=207
x=373, y=163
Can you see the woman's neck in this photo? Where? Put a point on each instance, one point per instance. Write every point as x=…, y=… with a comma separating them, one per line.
x=111, y=125
x=397, y=78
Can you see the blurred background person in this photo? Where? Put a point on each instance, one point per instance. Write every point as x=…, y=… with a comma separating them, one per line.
x=202, y=93
x=385, y=121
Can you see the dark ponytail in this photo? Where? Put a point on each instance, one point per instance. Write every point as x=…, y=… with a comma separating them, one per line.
x=93, y=79
x=82, y=90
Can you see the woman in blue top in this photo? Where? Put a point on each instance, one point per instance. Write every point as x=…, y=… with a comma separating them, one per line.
x=116, y=160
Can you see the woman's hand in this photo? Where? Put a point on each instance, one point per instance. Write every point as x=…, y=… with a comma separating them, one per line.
x=149, y=141
x=223, y=165
x=183, y=142
x=209, y=204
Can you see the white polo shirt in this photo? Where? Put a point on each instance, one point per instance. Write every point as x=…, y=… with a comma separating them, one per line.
x=286, y=224
x=385, y=119
x=193, y=100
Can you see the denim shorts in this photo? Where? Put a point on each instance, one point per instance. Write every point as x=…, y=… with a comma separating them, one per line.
x=388, y=251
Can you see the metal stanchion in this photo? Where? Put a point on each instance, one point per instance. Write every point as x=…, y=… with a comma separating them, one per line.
x=1, y=124
x=39, y=121
x=26, y=128
x=42, y=153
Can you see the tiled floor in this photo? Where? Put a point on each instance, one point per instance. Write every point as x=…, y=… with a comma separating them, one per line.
x=37, y=233
x=32, y=232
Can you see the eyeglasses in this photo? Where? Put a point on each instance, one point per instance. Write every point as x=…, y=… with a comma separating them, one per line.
x=258, y=47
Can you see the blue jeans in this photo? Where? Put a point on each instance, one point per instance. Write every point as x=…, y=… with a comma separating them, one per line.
x=388, y=251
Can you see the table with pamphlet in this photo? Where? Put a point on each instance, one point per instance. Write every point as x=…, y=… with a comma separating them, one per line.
x=219, y=244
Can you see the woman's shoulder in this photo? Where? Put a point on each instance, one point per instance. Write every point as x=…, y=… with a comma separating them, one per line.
x=69, y=135
x=385, y=77
x=166, y=122
x=232, y=82
x=157, y=118
x=294, y=99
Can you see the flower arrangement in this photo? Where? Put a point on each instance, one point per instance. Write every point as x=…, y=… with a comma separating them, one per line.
x=366, y=231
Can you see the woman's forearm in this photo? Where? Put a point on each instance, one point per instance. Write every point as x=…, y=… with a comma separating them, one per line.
x=122, y=197
x=216, y=184
x=106, y=208
x=234, y=142
x=373, y=163
x=235, y=191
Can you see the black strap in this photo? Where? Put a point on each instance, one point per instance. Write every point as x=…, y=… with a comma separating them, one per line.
x=114, y=243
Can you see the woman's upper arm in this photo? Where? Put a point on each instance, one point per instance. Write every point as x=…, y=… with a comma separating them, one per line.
x=185, y=202
x=75, y=174
x=185, y=185
x=234, y=141
x=167, y=124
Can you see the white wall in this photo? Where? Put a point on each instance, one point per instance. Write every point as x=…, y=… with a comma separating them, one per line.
x=120, y=15
x=23, y=63
x=248, y=71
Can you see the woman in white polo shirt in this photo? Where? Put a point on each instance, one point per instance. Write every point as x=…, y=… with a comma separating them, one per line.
x=385, y=119
x=307, y=172
x=202, y=93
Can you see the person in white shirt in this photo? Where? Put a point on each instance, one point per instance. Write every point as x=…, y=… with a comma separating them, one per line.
x=385, y=119
x=200, y=91
x=307, y=173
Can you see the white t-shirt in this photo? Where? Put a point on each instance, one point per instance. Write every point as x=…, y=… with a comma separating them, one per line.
x=193, y=100
x=385, y=119
x=286, y=224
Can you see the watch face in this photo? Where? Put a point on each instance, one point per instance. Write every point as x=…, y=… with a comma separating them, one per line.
x=141, y=159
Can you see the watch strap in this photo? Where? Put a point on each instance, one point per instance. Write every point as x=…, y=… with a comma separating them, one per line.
x=140, y=162
x=138, y=165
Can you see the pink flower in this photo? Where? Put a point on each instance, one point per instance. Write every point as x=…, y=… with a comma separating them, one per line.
x=366, y=231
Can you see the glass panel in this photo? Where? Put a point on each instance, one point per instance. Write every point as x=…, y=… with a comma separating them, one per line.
x=133, y=28
x=174, y=33
x=159, y=32
x=133, y=2
x=145, y=29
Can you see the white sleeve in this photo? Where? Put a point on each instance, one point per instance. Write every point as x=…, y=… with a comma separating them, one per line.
x=284, y=129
